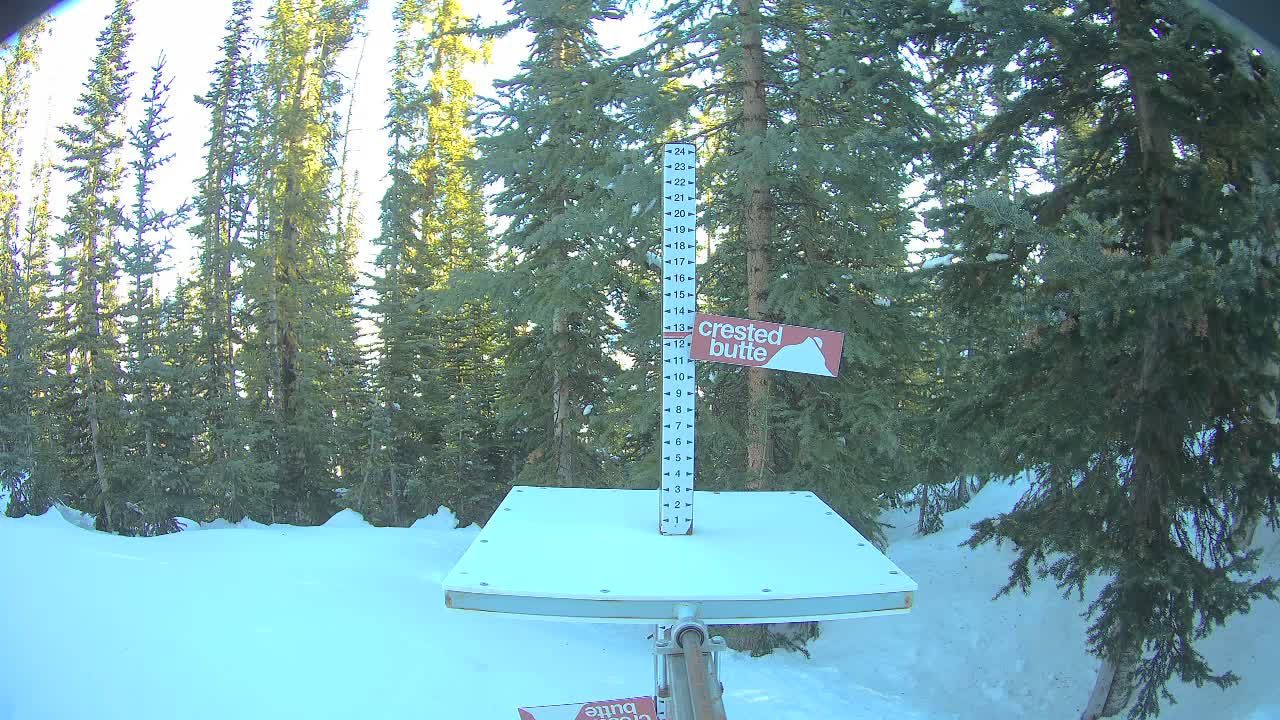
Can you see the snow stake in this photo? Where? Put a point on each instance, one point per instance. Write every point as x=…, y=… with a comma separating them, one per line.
x=589, y=554
x=679, y=290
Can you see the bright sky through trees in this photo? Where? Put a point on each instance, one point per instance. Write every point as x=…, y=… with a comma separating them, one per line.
x=189, y=33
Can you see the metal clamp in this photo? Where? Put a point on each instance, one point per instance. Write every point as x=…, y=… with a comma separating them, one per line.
x=687, y=669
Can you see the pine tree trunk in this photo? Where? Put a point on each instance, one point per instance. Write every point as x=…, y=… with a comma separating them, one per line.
x=922, y=522
x=229, y=288
x=144, y=352
x=394, y=481
x=289, y=351
x=213, y=284
x=1156, y=446
x=1112, y=690
x=287, y=355
x=561, y=432
x=99, y=464
x=759, y=226
x=228, y=302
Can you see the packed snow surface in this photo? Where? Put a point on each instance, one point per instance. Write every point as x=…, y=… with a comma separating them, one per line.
x=347, y=621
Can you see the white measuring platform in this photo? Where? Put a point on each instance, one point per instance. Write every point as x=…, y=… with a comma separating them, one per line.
x=594, y=555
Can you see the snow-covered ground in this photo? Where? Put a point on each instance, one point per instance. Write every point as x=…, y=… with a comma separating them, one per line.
x=347, y=621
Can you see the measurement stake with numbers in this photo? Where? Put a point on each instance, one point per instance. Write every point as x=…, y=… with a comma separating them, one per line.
x=679, y=253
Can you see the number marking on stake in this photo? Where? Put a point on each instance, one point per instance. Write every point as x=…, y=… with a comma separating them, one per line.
x=679, y=282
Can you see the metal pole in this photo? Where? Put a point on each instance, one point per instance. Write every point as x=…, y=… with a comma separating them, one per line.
x=706, y=702
x=680, y=701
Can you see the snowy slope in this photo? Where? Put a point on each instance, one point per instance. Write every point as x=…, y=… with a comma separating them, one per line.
x=346, y=621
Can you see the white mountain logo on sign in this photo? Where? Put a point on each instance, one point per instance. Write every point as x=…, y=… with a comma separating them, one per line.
x=805, y=357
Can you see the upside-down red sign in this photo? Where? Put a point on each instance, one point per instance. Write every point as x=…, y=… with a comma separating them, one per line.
x=756, y=343
x=636, y=708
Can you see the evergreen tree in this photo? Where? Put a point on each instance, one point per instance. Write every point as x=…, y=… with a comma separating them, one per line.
x=1139, y=379
x=18, y=58
x=350, y=380
x=91, y=404
x=20, y=275
x=811, y=120
x=629, y=421
x=176, y=486
x=395, y=436
x=730, y=41
x=300, y=290
x=554, y=151
x=851, y=125
x=462, y=357
x=152, y=471
x=235, y=472
x=30, y=466
x=431, y=433
x=949, y=457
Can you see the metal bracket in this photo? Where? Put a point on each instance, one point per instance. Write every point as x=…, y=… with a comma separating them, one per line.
x=679, y=696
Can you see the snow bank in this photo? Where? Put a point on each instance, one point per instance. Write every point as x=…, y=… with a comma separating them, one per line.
x=347, y=621
x=444, y=519
x=247, y=523
x=347, y=519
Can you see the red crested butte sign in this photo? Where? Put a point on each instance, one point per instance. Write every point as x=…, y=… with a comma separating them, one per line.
x=756, y=343
x=637, y=708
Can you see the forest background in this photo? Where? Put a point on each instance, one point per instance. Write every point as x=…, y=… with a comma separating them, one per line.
x=285, y=336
